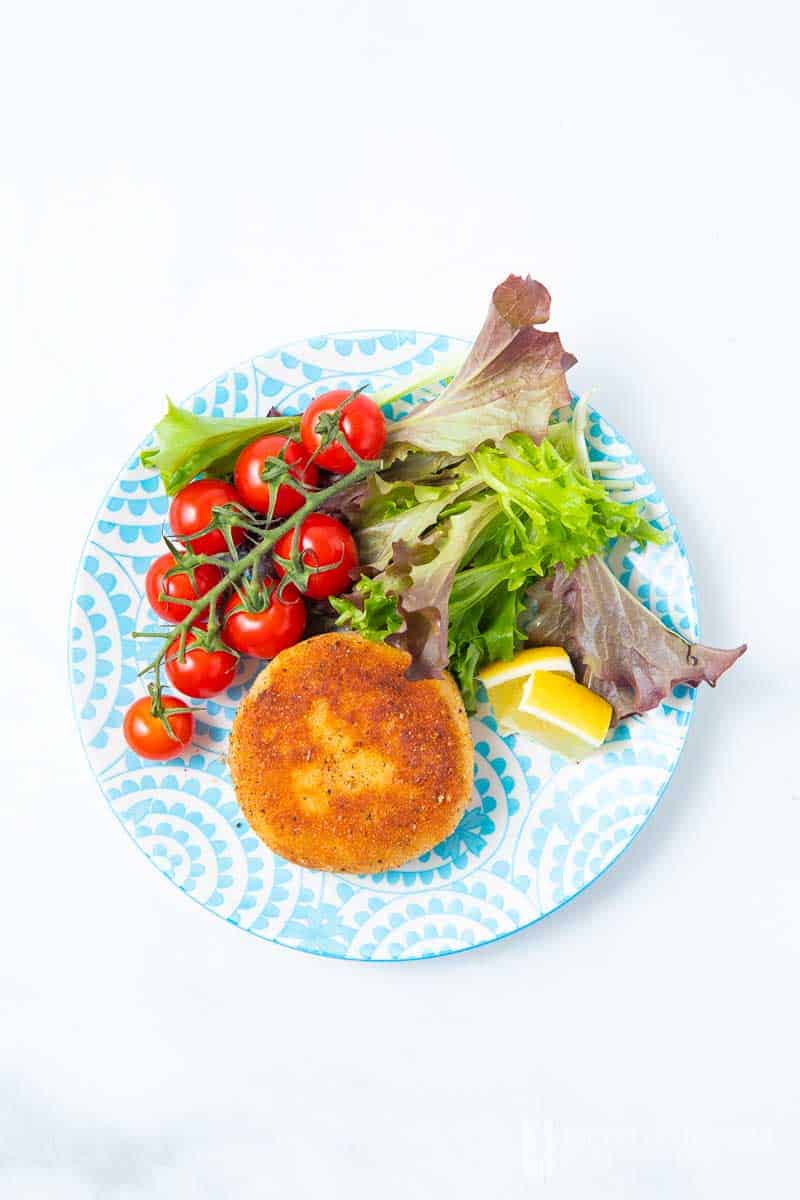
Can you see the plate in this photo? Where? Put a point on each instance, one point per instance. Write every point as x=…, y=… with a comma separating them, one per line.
x=538, y=829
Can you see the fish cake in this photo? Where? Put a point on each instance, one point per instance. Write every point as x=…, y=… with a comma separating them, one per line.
x=341, y=763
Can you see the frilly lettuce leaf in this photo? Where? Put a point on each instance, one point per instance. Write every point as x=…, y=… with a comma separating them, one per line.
x=368, y=610
x=553, y=505
x=189, y=444
x=512, y=380
x=618, y=648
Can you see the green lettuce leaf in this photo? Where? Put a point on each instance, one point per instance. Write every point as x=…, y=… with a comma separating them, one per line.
x=368, y=610
x=485, y=607
x=553, y=505
x=189, y=445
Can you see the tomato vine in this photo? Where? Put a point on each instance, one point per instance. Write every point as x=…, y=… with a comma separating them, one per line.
x=243, y=560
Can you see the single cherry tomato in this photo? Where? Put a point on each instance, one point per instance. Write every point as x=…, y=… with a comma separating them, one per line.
x=322, y=542
x=270, y=629
x=206, y=576
x=145, y=733
x=202, y=673
x=252, y=488
x=191, y=511
x=361, y=422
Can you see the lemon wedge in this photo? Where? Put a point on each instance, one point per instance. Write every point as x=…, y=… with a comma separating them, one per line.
x=505, y=681
x=536, y=693
x=563, y=715
x=536, y=658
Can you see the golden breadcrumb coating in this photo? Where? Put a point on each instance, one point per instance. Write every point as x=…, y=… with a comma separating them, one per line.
x=343, y=764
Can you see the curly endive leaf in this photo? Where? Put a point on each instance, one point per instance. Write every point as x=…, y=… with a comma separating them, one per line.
x=618, y=648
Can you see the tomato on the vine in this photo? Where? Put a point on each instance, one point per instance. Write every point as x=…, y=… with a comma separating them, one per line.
x=179, y=586
x=255, y=492
x=361, y=422
x=322, y=542
x=201, y=673
x=192, y=510
x=273, y=622
x=145, y=732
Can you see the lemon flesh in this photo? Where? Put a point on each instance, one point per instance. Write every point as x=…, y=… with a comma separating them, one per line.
x=562, y=714
x=536, y=694
x=537, y=658
x=505, y=699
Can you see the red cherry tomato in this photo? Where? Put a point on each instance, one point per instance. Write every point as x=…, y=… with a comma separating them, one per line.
x=322, y=542
x=191, y=511
x=361, y=422
x=280, y=623
x=202, y=673
x=145, y=733
x=179, y=585
x=252, y=488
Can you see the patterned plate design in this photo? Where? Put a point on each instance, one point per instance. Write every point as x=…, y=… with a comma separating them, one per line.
x=538, y=830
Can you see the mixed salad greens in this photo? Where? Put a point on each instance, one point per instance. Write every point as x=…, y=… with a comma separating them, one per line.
x=478, y=524
x=450, y=556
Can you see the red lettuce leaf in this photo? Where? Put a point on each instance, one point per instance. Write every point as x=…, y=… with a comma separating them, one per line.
x=512, y=380
x=618, y=648
x=421, y=576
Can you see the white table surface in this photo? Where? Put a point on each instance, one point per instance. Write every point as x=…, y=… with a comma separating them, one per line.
x=183, y=186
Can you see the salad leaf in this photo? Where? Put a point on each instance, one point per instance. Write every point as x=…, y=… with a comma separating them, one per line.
x=403, y=512
x=551, y=514
x=512, y=379
x=485, y=605
x=419, y=466
x=368, y=610
x=189, y=444
x=459, y=554
x=618, y=648
x=553, y=505
x=421, y=577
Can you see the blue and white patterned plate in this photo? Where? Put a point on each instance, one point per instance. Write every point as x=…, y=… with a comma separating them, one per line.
x=538, y=831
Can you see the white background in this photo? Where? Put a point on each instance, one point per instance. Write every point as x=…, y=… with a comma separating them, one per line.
x=184, y=186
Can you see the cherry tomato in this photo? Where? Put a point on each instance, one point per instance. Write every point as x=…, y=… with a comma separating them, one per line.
x=145, y=732
x=179, y=585
x=191, y=511
x=322, y=542
x=361, y=422
x=202, y=673
x=252, y=488
x=278, y=625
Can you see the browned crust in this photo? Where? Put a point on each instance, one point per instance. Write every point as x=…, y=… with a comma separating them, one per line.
x=343, y=764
